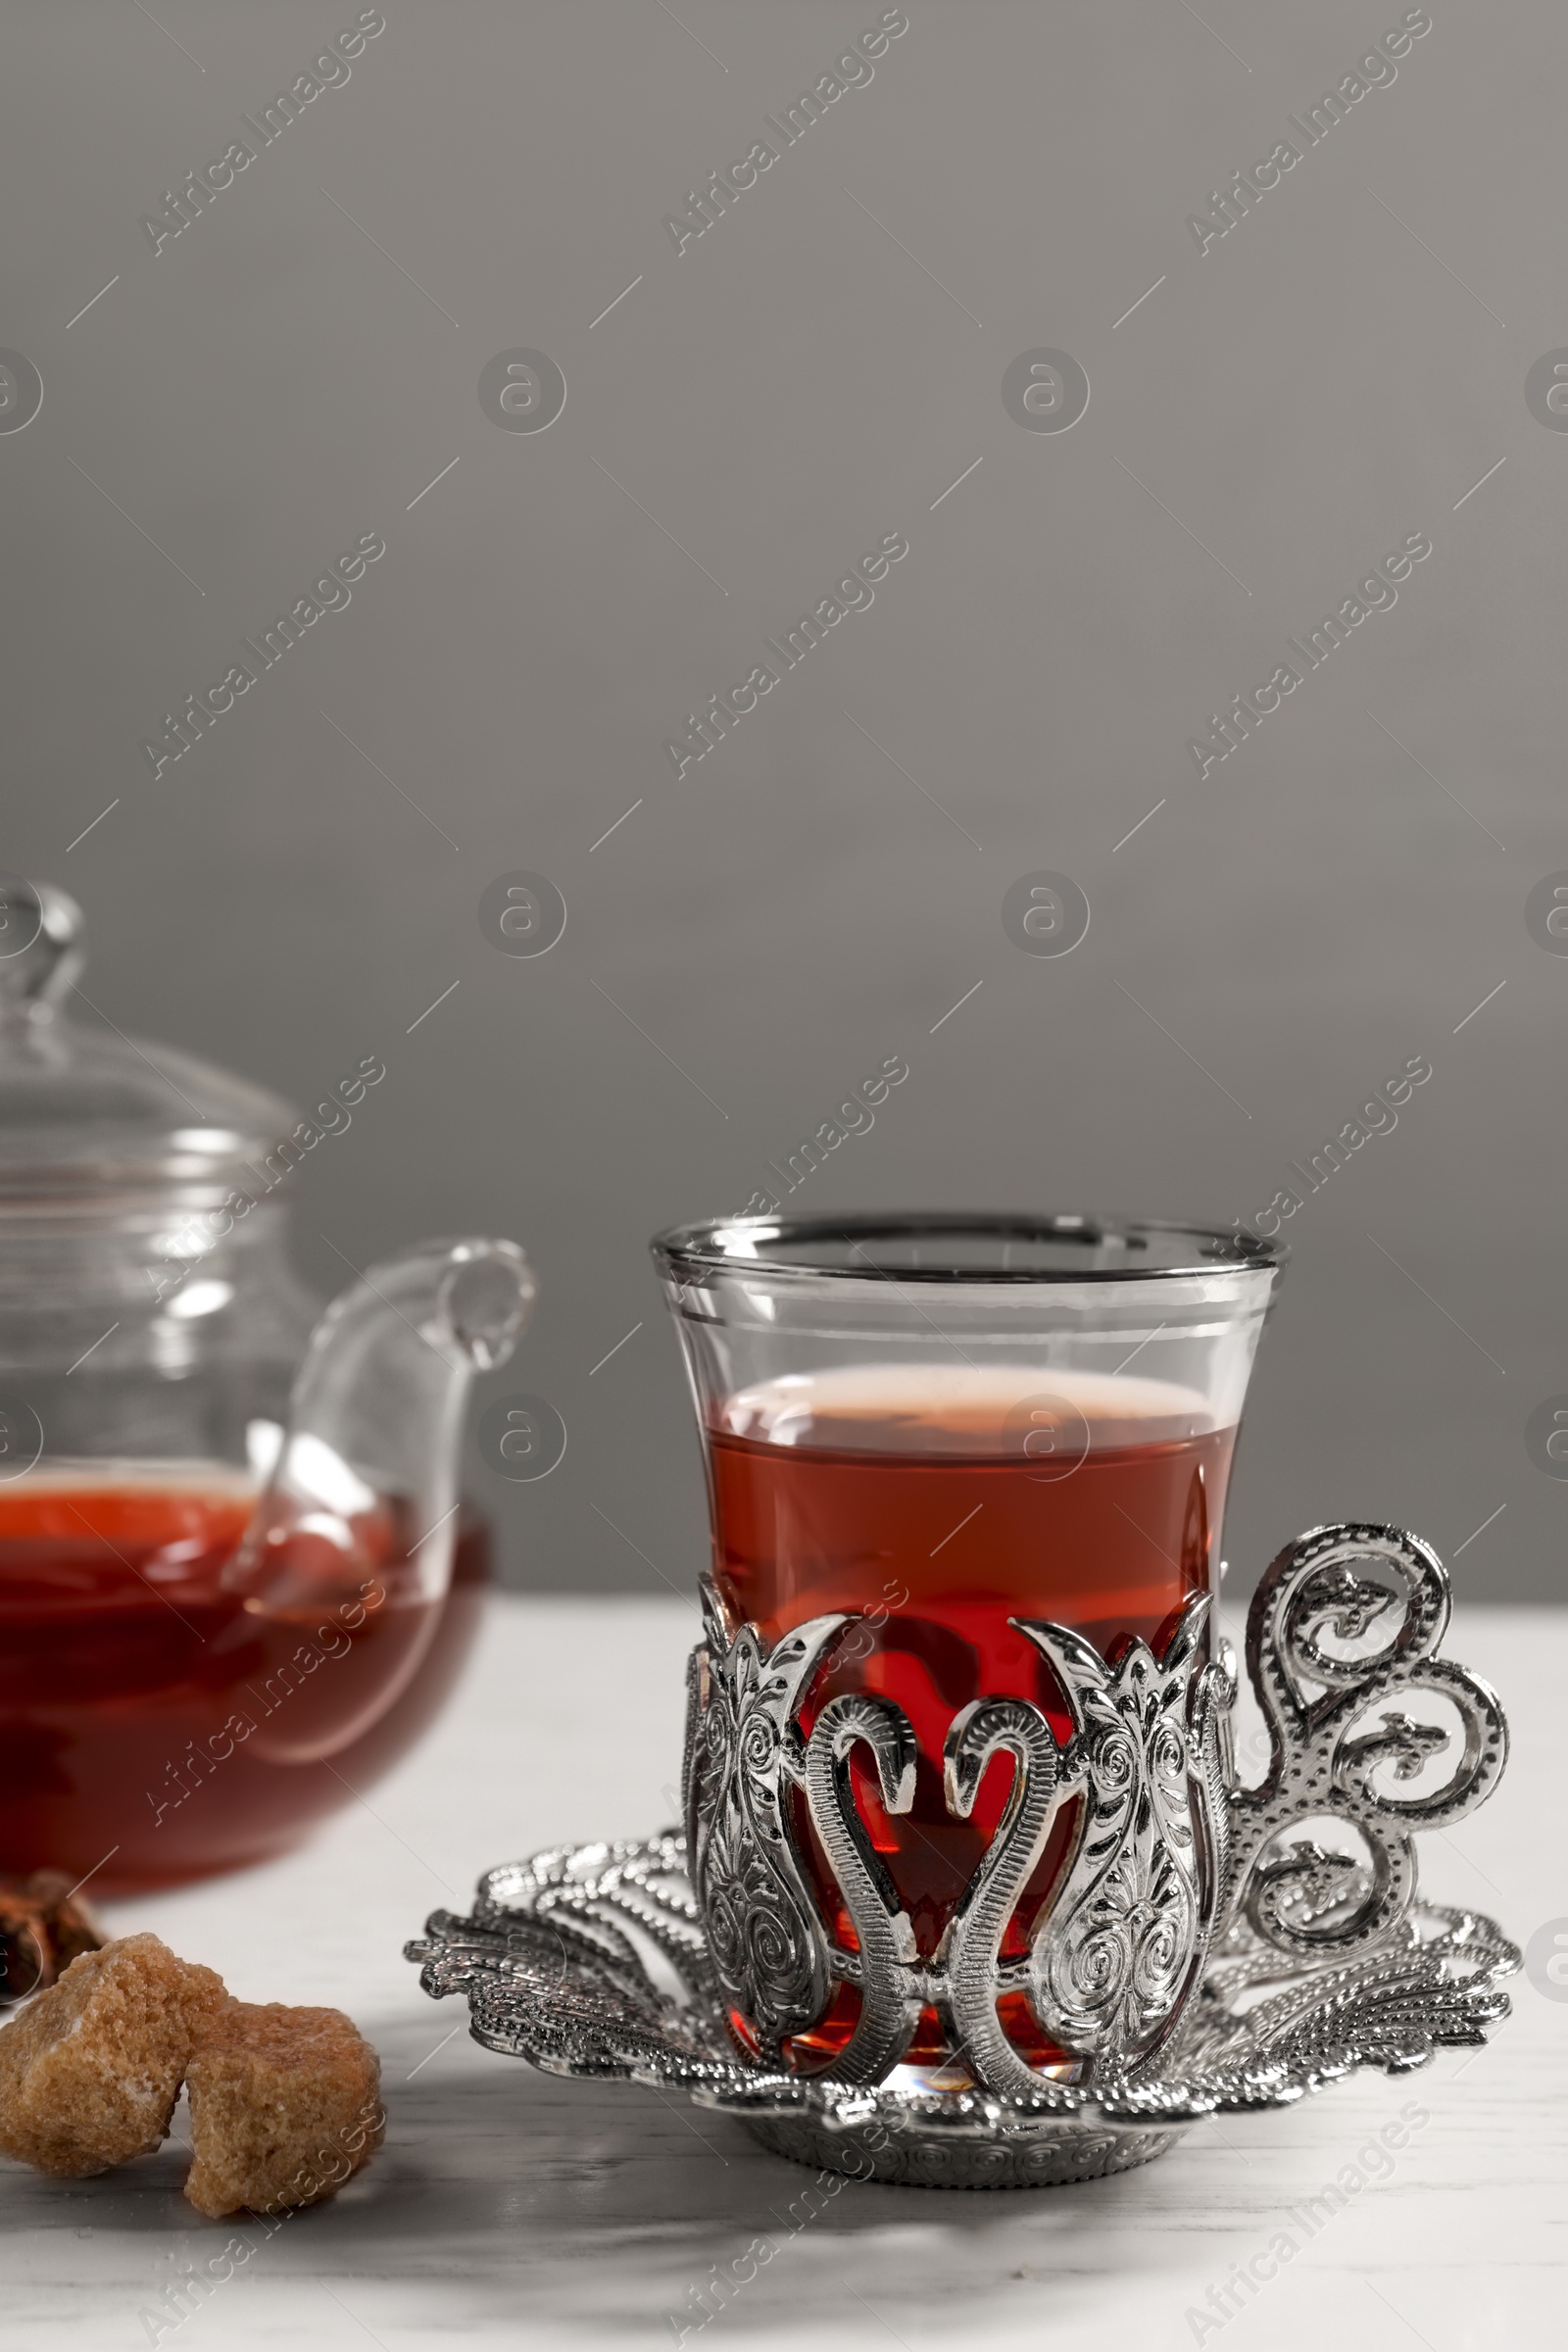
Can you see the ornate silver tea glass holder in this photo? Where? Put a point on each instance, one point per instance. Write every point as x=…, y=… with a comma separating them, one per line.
x=1193, y=1958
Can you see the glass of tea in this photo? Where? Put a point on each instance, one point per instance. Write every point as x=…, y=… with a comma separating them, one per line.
x=966, y=1478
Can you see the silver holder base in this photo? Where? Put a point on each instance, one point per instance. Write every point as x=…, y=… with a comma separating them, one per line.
x=591, y=1961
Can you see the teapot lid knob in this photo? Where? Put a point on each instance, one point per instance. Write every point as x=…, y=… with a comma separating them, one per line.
x=41, y=947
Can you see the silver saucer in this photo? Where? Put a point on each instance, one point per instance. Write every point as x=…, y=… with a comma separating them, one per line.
x=590, y=1960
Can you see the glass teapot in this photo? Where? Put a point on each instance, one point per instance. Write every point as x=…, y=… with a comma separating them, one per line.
x=235, y=1575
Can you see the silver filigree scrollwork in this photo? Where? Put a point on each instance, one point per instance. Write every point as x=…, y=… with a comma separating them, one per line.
x=885, y=1964
x=767, y=1946
x=1113, y=1958
x=1308, y=1901
x=972, y=1941
x=554, y=1965
x=1169, y=1852
x=774, y=1959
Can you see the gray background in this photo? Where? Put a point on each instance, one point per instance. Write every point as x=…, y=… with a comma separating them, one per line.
x=1281, y=412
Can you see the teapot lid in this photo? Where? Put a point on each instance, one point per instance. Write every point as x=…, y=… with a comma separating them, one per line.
x=88, y=1111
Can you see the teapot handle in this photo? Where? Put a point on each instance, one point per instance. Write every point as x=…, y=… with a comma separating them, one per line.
x=356, y=1521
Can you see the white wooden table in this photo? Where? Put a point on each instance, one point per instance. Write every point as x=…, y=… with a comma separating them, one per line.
x=509, y=2208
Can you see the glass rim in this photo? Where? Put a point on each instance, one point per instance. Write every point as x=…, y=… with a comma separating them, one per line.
x=740, y=1246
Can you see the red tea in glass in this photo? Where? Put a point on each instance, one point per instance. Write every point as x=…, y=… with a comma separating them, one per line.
x=899, y=1494
x=938, y=1429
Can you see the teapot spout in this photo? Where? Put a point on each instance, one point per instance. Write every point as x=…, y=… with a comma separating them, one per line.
x=355, y=1524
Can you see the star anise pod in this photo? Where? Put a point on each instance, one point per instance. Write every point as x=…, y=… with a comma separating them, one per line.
x=43, y=1927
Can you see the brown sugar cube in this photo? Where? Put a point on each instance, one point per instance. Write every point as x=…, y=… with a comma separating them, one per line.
x=89, y=2071
x=286, y=2105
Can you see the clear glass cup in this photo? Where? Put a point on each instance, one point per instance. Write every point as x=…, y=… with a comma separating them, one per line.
x=941, y=1426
